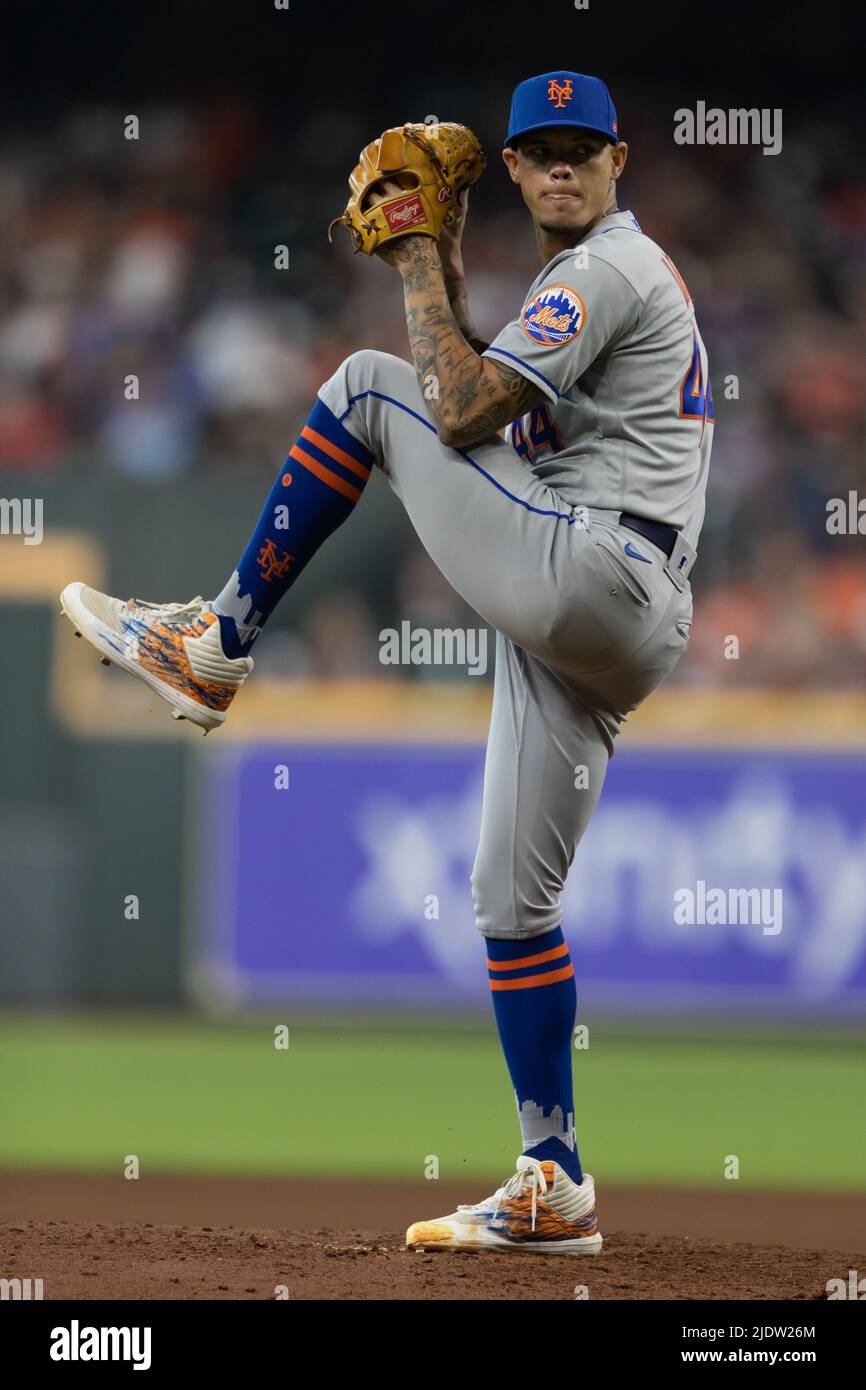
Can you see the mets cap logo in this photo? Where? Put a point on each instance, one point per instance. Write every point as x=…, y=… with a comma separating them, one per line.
x=553, y=316
x=559, y=92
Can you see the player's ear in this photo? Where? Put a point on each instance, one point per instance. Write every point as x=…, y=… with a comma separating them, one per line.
x=510, y=160
x=618, y=157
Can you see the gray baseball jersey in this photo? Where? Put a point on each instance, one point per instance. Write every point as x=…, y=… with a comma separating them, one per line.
x=608, y=332
x=590, y=616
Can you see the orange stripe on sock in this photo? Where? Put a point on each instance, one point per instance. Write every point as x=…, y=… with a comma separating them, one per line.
x=536, y=981
x=324, y=474
x=339, y=455
x=541, y=959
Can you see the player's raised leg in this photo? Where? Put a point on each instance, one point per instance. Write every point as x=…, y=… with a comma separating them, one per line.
x=470, y=513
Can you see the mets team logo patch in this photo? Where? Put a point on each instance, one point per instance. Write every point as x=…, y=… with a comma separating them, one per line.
x=554, y=316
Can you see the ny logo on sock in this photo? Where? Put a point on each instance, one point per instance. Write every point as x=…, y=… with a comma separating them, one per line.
x=270, y=566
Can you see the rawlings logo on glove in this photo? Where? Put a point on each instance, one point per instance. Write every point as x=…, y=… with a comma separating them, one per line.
x=431, y=163
x=409, y=212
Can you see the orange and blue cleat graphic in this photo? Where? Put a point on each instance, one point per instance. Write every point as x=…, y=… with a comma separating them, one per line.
x=175, y=648
x=539, y=1210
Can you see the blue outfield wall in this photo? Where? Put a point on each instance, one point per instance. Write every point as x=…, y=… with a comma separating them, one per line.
x=352, y=883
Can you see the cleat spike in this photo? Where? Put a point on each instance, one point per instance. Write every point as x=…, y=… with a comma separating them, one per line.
x=78, y=634
x=105, y=661
x=176, y=714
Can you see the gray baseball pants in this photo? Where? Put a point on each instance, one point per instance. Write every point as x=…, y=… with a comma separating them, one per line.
x=584, y=633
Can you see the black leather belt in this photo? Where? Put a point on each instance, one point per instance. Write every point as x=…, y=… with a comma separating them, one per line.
x=665, y=537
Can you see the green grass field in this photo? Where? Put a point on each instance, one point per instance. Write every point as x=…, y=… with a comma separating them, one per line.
x=355, y=1099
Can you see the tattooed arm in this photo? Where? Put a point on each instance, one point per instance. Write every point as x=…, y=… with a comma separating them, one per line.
x=469, y=397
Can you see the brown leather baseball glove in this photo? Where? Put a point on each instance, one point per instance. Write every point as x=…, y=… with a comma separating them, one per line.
x=431, y=163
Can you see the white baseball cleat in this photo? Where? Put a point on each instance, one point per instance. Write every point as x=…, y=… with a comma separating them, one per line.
x=175, y=648
x=539, y=1209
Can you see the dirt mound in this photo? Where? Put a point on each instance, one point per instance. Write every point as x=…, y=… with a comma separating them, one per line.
x=144, y=1261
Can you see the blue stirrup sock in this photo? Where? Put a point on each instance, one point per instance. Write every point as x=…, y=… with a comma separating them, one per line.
x=317, y=488
x=534, y=1000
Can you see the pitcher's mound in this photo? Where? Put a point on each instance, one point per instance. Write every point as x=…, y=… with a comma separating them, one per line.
x=142, y=1261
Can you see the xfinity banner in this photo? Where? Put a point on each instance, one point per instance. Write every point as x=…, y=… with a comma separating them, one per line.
x=728, y=880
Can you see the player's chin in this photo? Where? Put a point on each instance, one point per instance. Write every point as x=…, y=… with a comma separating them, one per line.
x=568, y=215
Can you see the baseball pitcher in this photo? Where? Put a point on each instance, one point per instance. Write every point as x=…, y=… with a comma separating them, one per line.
x=556, y=476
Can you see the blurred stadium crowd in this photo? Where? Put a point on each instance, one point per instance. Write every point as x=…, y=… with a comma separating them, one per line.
x=156, y=257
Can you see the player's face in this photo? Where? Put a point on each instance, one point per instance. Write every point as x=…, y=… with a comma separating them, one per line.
x=567, y=177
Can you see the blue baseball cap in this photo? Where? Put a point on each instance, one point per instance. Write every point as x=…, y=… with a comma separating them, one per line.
x=562, y=98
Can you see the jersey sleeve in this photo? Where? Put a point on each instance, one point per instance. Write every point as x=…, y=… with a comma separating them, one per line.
x=568, y=321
